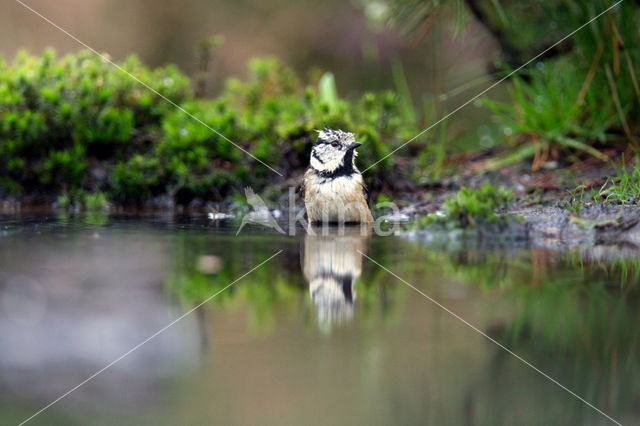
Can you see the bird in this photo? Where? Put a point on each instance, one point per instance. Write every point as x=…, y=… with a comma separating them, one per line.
x=260, y=214
x=333, y=188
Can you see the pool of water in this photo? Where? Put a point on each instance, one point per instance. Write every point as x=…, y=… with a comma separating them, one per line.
x=199, y=326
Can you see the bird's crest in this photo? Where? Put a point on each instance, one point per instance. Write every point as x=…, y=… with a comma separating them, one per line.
x=329, y=135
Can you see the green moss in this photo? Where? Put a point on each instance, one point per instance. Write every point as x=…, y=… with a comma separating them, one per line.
x=78, y=125
x=136, y=180
x=470, y=208
x=96, y=202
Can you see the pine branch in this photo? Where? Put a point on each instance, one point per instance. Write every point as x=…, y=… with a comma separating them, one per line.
x=513, y=55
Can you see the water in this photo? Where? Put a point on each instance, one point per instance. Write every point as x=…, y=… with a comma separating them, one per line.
x=319, y=334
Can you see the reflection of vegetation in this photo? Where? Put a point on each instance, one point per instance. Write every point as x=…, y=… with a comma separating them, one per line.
x=78, y=125
x=262, y=289
x=572, y=315
x=565, y=308
x=276, y=287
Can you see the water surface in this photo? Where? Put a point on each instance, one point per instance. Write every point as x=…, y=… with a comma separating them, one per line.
x=317, y=335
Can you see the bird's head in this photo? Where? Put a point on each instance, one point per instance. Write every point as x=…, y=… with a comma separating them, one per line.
x=334, y=153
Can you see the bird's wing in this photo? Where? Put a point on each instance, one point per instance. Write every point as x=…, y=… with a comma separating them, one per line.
x=300, y=190
x=366, y=191
x=253, y=199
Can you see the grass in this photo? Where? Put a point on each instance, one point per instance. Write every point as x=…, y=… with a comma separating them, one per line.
x=622, y=189
x=583, y=99
x=551, y=115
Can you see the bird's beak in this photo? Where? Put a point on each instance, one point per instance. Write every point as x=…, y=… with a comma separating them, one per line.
x=354, y=145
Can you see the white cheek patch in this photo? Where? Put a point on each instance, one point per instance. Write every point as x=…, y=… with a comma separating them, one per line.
x=316, y=164
x=325, y=159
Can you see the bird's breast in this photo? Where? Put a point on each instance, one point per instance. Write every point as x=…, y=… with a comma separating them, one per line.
x=340, y=199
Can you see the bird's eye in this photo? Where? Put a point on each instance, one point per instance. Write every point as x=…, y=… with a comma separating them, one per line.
x=335, y=144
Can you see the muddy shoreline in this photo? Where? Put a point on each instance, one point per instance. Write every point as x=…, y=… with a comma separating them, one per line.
x=545, y=208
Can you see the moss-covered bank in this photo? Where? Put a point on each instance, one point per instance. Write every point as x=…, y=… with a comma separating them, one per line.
x=74, y=127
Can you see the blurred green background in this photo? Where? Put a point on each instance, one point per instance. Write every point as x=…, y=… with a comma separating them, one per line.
x=78, y=132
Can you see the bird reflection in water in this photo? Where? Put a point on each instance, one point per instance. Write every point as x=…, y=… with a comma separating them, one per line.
x=332, y=262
